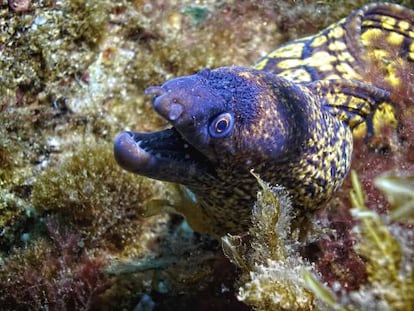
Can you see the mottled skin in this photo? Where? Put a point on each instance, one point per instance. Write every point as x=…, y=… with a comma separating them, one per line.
x=291, y=118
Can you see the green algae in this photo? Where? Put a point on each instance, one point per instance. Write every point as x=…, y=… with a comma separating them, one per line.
x=270, y=262
x=391, y=279
x=197, y=13
x=400, y=194
x=36, y=56
x=52, y=43
x=387, y=250
x=276, y=277
x=96, y=197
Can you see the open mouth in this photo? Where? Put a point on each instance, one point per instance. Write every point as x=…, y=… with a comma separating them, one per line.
x=162, y=155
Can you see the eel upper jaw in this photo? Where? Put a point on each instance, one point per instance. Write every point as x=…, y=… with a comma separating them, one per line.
x=162, y=155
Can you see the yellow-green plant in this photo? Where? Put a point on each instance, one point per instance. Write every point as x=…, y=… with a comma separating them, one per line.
x=388, y=254
x=270, y=262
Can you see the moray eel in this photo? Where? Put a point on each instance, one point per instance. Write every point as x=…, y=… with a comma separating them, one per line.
x=292, y=117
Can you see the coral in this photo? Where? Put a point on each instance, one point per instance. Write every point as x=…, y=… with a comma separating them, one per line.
x=197, y=13
x=53, y=274
x=270, y=262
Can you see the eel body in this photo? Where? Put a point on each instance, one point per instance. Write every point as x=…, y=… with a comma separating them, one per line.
x=292, y=117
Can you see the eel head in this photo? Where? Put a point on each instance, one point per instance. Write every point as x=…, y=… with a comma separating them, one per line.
x=224, y=122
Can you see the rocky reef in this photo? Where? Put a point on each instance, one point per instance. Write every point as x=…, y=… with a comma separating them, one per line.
x=78, y=232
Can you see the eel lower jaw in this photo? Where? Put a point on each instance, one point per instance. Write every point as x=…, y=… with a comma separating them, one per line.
x=130, y=156
x=162, y=155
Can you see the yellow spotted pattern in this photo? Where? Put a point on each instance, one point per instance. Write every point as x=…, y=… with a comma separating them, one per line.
x=370, y=43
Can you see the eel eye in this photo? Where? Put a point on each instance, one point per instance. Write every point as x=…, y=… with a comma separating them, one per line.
x=222, y=125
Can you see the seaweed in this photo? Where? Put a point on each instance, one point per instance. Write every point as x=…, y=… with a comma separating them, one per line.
x=399, y=190
x=388, y=253
x=39, y=39
x=270, y=261
x=71, y=76
x=96, y=197
x=53, y=273
x=277, y=274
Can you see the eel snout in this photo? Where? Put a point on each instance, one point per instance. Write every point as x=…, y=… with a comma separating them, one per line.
x=167, y=103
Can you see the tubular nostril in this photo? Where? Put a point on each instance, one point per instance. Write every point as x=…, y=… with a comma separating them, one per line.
x=169, y=108
x=176, y=109
x=154, y=90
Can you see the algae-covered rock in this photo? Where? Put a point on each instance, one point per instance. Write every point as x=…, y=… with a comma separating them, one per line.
x=72, y=75
x=55, y=271
x=99, y=200
x=48, y=42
